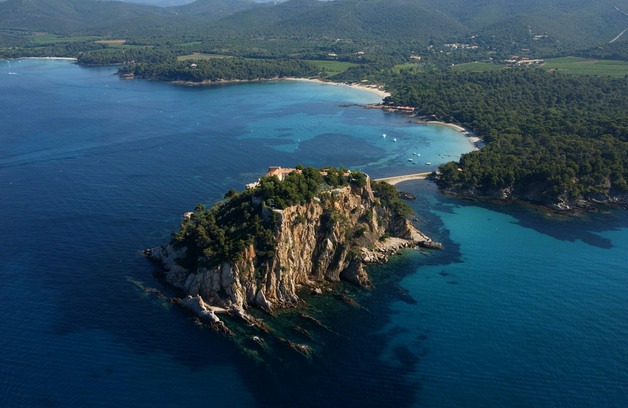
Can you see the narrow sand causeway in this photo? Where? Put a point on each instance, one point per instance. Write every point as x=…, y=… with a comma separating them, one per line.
x=398, y=179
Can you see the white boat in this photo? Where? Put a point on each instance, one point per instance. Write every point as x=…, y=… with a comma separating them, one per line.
x=394, y=139
x=410, y=160
x=428, y=163
x=384, y=135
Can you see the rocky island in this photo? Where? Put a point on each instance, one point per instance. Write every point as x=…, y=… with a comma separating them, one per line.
x=293, y=232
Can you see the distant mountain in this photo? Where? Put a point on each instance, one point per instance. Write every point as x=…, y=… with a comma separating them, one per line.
x=571, y=21
x=161, y=3
x=345, y=19
x=69, y=17
x=584, y=23
x=75, y=16
x=172, y=3
x=215, y=8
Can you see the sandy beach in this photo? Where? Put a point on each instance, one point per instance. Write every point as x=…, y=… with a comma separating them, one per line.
x=406, y=177
x=369, y=88
x=471, y=137
x=474, y=140
x=50, y=58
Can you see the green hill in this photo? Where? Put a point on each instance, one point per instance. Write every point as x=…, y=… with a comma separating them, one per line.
x=571, y=23
x=580, y=22
x=76, y=16
x=215, y=8
x=354, y=19
x=80, y=17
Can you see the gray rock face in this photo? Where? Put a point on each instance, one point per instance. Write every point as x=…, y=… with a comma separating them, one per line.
x=326, y=240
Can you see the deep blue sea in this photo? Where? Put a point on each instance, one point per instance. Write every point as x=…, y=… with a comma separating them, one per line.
x=519, y=310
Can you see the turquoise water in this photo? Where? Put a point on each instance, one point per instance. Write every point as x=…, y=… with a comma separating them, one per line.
x=518, y=309
x=525, y=311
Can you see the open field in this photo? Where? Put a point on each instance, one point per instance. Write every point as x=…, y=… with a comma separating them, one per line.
x=332, y=68
x=200, y=56
x=408, y=67
x=110, y=42
x=47, y=38
x=585, y=66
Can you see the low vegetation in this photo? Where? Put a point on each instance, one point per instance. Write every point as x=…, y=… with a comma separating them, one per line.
x=331, y=68
x=587, y=66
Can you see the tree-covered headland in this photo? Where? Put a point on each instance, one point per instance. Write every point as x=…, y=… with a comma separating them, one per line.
x=550, y=138
x=223, y=231
x=220, y=69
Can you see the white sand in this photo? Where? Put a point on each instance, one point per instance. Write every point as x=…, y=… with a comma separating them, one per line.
x=369, y=88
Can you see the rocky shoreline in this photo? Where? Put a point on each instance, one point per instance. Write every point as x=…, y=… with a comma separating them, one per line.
x=564, y=207
x=331, y=239
x=174, y=275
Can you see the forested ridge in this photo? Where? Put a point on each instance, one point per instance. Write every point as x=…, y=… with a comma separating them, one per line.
x=381, y=27
x=550, y=138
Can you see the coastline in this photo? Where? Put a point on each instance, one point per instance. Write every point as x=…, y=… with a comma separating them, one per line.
x=394, y=180
x=368, y=88
x=379, y=92
x=48, y=58
x=475, y=141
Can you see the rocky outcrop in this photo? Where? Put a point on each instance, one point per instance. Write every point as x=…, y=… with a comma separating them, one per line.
x=534, y=194
x=328, y=239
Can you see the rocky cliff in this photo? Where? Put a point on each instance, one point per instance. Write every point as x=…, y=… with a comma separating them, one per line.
x=322, y=238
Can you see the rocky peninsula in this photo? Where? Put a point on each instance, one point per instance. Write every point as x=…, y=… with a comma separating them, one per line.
x=294, y=232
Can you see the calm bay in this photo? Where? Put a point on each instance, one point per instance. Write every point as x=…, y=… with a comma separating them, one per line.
x=519, y=309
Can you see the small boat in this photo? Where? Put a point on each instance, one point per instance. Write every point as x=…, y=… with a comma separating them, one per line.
x=384, y=135
x=394, y=139
x=428, y=163
x=410, y=160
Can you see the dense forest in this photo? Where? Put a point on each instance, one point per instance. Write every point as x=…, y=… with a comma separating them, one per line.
x=221, y=69
x=550, y=138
